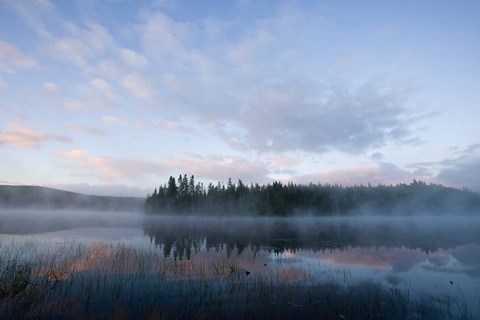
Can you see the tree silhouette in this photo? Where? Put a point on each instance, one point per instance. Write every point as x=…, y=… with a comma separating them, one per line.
x=278, y=199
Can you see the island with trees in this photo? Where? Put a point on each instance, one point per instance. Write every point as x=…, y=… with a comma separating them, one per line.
x=186, y=196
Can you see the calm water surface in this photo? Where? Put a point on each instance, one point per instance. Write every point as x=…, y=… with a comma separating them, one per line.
x=426, y=256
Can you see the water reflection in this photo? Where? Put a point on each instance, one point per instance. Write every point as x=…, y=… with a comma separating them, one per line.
x=280, y=235
x=232, y=258
x=429, y=256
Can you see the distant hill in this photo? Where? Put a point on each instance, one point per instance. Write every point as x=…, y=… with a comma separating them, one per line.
x=34, y=197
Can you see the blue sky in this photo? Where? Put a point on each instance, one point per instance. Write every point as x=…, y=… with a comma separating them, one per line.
x=112, y=97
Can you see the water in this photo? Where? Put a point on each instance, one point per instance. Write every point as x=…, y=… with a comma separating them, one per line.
x=430, y=260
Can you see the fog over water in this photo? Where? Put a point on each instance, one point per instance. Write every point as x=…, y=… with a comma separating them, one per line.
x=429, y=255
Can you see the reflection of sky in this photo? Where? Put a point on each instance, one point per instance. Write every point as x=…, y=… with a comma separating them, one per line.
x=133, y=236
x=424, y=273
x=462, y=259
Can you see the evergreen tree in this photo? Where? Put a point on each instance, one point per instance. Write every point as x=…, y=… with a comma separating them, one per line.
x=184, y=196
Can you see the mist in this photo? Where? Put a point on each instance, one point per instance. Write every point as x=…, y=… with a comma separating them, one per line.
x=183, y=196
x=31, y=221
x=34, y=197
x=427, y=232
x=437, y=255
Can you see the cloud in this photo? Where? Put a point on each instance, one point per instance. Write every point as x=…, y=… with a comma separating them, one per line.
x=3, y=85
x=139, y=86
x=377, y=156
x=12, y=59
x=99, y=132
x=26, y=137
x=175, y=126
x=74, y=154
x=220, y=168
x=111, y=119
x=87, y=45
x=275, y=106
x=83, y=45
x=242, y=54
x=95, y=94
x=33, y=13
x=116, y=190
x=287, y=161
x=460, y=171
x=164, y=37
x=212, y=167
x=98, y=93
x=111, y=168
x=136, y=123
x=133, y=59
x=288, y=119
x=50, y=87
x=382, y=173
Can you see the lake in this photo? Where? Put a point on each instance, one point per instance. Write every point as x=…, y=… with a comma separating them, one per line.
x=126, y=265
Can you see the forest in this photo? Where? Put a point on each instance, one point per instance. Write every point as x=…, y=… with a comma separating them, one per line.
x=186, y=196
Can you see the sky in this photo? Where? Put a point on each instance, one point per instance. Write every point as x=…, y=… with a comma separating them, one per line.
x=112, y=97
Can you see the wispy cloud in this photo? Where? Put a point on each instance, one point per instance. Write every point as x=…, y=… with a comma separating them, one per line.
x=90, y=130
x=278, y=86
x=118, y=190
x=50, y=87
x=12, y=59
x=268, y=108
x=83, y=45
x=111, y=168
x=220, y=168
x=23, y=136
x=140, y=87
x=175, y=126
x=383, y=173
x=289, y=118
x=284, y=112
x=460, y=170
x=463, y=170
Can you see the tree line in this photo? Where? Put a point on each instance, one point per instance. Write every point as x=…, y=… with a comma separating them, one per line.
x=186, y=196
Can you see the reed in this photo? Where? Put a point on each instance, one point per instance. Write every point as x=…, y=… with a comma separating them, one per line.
x=92, y=281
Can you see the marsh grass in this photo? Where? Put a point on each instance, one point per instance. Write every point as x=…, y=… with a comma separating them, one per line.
x=106, y=281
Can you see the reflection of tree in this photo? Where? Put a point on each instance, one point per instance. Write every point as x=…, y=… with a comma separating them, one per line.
x=182, y=236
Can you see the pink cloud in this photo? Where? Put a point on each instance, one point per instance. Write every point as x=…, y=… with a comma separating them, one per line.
x=74, y=154
x=12, y=59
x=287, y=161
x=23, y=136
x=108, y=168
x=399, y=259
x=384, y=173
x=221, y=168
x=175, y=126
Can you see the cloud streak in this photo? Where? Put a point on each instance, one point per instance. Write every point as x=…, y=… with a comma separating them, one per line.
x=12, y=59
x=382, y=173
x=220, y=168
x=110, y=168
x=462, y=171
x=23, y=136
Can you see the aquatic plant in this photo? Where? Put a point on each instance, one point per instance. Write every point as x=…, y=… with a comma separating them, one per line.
x=50, y=281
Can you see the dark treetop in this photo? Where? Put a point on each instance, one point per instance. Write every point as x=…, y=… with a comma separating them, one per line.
x=184, y=196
